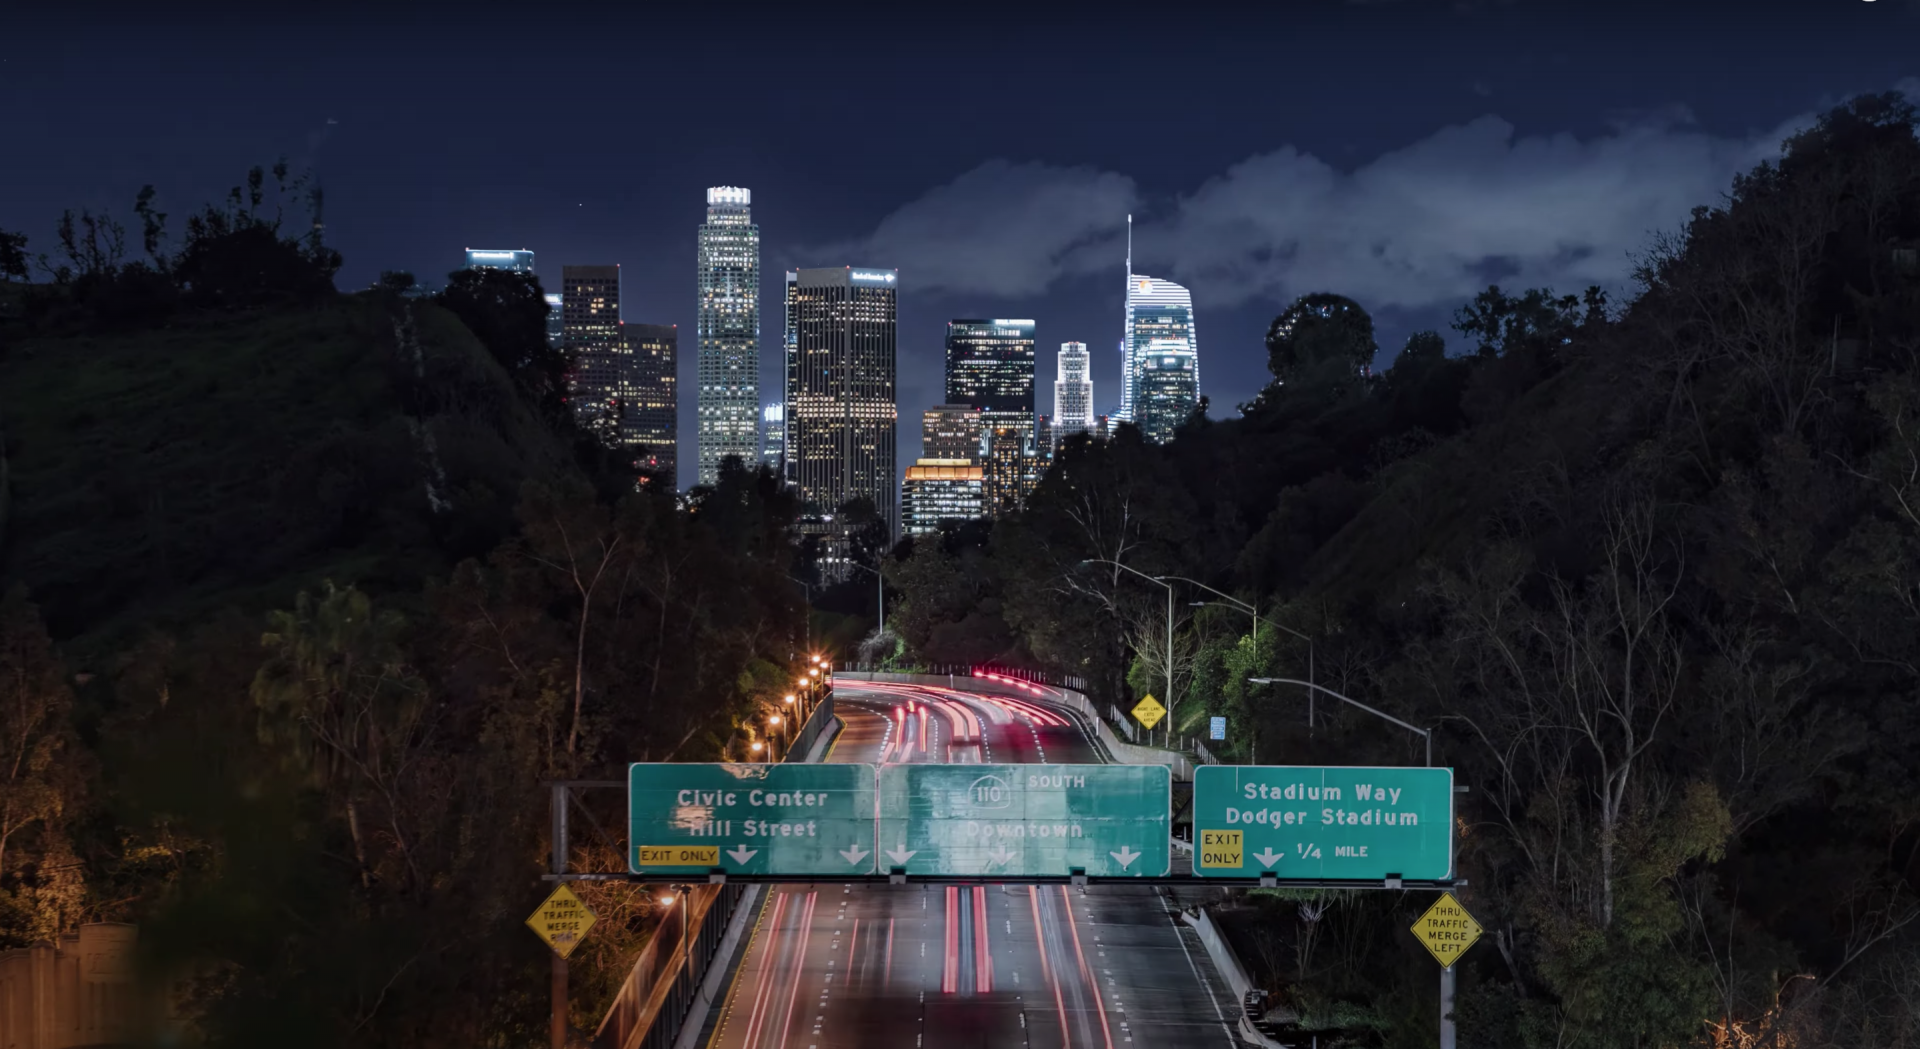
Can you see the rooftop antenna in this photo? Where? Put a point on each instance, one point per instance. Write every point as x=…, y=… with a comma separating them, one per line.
x=1129, y=247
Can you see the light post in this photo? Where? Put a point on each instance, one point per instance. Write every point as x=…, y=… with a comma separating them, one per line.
x=758, y=747
x=686, y=948
x=808, y=588
x=1171, y=702
x=880, y=586
x=1427, y=734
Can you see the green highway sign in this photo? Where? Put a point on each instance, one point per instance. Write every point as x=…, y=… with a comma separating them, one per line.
x=750, y=819
x=1312, y=821
x=1024, y=820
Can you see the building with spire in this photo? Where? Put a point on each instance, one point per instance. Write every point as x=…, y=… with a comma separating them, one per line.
x=728, y=333
x=1160, y=354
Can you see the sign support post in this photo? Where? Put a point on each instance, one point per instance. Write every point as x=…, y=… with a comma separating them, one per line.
x=557, y=1027
x=1446, y=1007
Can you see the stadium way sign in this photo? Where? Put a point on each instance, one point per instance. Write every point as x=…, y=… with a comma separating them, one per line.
x=1025, y=820
x=750, y=819
x=1323, y=822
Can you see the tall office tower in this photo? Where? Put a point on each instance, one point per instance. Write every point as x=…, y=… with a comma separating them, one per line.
x=1168, y=388
x=951, y=431
x=840, y=397
x=773, y=438
x=1159, y=324
x=990, y=364
x=590, y=331
x=729, y=332
x=789, y=345
x=650, y=423
x=990, y=367
x=1072, y=392
x=519, y=261
x=556, y=328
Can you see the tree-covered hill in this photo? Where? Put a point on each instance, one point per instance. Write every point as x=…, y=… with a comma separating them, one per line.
x=1647, y=567
x=157, y=472
x=304, y=595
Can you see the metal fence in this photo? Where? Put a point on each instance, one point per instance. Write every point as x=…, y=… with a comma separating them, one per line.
x=1206, y=756
x=650, y=1009
x=1122, y=722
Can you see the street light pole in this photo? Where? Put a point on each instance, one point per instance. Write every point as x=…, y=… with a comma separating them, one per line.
x=1167, y=733
x=880, y=586
x=1427, y=734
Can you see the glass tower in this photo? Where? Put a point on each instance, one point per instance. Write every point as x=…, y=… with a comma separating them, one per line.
x=728, y=333
x=841, y=411
x=1073, y=392
x=650, y=421
x=990, y=364
x=590, y=329
x=1159, y=329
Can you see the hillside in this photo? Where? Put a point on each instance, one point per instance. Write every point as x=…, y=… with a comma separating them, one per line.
x=233, y=458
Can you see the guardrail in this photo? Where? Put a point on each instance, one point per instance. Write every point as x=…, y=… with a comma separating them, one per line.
x=1206, y=756
x=1037, y=677
x=1121, y=721
x=650, y=1010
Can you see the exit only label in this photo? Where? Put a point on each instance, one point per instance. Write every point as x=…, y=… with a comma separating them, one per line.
x=1220, y=848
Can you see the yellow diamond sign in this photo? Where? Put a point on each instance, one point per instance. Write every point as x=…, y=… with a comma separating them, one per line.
x=562, y=921
x=1447, y=930
x=1149, y=711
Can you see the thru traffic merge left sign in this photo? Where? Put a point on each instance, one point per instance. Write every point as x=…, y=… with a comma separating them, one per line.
x=1447, y=930
x=562, y=921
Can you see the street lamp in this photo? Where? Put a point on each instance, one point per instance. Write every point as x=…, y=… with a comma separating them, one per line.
x=808, y=587
x=880, y=586
x=790, y=698
x=757, y=746
x=1171, y=702
x=1427, y=734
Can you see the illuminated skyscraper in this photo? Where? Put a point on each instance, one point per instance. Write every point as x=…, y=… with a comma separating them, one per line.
x=518, y=260
x=650, y=420
x=1072, y=392
x=556, y=325
x=990, y=364
x=590, y=329
x=773, y=438
x=951, y=431
x=728, y=332
x=1159, y=327
x=840, y=388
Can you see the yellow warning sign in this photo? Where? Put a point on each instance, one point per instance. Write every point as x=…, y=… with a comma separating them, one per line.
x=1220, y=848
x=1447, y=929
x=562, y=921
x=1149, y=711
x=678, y=855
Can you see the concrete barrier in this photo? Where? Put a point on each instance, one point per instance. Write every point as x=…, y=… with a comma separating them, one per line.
x=1230, y=969
x=1122, y=751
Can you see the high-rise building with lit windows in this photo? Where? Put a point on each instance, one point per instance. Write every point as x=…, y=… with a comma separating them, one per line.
x=556, y=323
x=951, y=431
x=650, y=421
x=990, y=364
x=1165, y=389
x=519, y=260
x=1073, y=392
x=728, y=332
x=590, y=330
x=773, y=438
x=941, y=491
x=1160, y=330
x=840, y=406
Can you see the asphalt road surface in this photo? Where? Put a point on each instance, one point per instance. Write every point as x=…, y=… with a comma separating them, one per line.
x=834, y=966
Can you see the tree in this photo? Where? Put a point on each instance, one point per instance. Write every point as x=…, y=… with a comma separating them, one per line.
x=507, y=312
x=42, y=769
x=13, y=256
x=1318, y=329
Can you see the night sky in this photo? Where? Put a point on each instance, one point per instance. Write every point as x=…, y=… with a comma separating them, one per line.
x=1405, y=154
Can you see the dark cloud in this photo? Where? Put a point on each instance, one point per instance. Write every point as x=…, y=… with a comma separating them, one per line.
x=1418, y=226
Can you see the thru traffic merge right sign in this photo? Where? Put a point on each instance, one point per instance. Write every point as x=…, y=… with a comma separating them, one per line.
x=1447, y=930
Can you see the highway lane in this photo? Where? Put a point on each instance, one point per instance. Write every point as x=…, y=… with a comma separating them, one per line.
x=834, y=966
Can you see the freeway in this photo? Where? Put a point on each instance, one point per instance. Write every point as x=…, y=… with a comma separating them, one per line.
x=928, y=966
